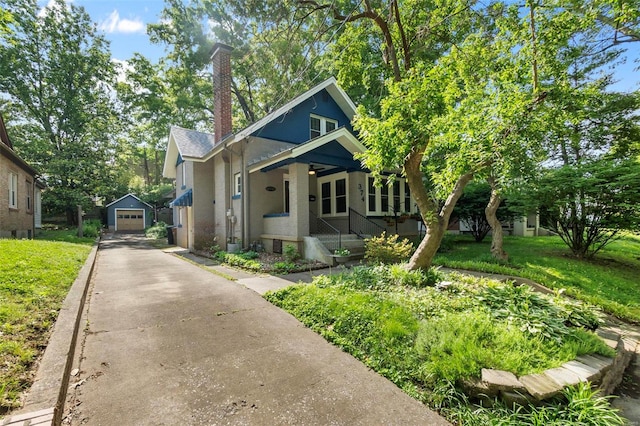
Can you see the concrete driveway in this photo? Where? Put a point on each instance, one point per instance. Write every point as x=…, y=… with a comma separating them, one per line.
x=169, y=343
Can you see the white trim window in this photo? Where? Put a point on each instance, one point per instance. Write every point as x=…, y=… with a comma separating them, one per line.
x=13, y=190
x=183, y=184
x=237, y=183
x=319, y=125
x=334, y=195
x=29, y=199
x=389, y=198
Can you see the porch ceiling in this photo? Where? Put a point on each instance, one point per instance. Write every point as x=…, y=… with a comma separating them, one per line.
x=334, y=149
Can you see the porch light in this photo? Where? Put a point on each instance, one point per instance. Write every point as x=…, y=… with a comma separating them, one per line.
x=312, y=172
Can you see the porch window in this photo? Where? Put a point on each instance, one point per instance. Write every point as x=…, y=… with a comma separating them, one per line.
x=13, y=190
x=389, y=199
x=334, y=200
x=321, y=125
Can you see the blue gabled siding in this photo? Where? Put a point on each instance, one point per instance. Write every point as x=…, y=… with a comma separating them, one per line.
x=293, y=127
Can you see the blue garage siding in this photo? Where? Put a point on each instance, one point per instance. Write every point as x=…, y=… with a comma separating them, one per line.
x=293, y=127
x=128, y=202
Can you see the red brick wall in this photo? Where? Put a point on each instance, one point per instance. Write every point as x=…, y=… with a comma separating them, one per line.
x=20, y=220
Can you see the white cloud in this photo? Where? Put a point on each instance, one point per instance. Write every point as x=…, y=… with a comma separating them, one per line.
x=51, y=5
x=121, y=69
x=115, y=24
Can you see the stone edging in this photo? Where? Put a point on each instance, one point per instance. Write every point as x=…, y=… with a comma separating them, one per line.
x=604, y=372
x=52, y=378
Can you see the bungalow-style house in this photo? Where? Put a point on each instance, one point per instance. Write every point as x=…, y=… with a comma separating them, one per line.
x=287, y=179
x=20, y=212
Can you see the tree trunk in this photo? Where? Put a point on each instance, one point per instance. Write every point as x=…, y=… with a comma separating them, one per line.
x=145, y=166
x=156, y=177
x=497, y=250
x=436, y=221
x=428, y=247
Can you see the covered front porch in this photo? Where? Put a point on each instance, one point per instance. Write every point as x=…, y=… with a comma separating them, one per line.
x=316, y=198
x=298, y=188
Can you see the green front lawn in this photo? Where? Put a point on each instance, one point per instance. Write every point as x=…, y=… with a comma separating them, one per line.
x=35, y=276
x=611, y=280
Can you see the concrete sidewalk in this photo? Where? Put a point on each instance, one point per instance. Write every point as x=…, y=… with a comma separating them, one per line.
x=167, y=342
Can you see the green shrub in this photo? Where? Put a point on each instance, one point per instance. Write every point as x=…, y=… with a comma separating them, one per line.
x=447, y=243
x=284, y=267
x=387, y=249
x=220, y=255
x=537, y=313
x=91, y=228
x=249, y=255
x=383, y=277
x=237, y=260
x=290, y=253
x=157, y=231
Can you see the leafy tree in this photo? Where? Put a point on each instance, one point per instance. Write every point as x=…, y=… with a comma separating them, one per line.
x=458, y=94
x=470, y=209
x=148, y=110
x=57, y=72
x=590, y=203
x=5, y=19
x=273, y=58
x=589, y=133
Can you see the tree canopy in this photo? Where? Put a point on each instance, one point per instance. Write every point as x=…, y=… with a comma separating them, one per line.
x=58, y=75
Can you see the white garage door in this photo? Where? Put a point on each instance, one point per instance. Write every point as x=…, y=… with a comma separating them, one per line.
x=130, y=220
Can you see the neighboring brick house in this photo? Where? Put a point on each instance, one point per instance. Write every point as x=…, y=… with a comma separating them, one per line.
x=19, y=192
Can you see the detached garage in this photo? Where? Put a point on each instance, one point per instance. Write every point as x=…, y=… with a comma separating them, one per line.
x=129, y=214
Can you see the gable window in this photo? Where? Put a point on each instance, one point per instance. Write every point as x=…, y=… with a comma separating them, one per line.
x=390, y=198
x=13, y=190
x=237, y=183
x=334, y=200
x=321, y=125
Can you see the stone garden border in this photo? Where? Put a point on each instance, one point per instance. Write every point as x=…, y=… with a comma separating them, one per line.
x=604, y=372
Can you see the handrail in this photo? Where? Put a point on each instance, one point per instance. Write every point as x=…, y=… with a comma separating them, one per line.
x=334, y=240
x=362, y=226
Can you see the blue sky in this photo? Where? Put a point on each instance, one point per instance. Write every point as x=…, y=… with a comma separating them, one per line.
x=124, y=25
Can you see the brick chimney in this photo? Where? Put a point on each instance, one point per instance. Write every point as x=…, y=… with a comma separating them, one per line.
x=221, y=58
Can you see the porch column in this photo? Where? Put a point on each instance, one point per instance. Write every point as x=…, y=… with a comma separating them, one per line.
x=299, y=198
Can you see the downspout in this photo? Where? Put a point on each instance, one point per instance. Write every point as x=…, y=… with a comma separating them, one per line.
x=231, y=192
x=244, y=213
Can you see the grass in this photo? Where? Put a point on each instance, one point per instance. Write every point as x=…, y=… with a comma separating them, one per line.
x=609, y=281
x=430, y=340
x=35, y=276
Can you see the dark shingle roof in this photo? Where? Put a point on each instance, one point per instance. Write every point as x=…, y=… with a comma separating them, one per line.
x=191, y=143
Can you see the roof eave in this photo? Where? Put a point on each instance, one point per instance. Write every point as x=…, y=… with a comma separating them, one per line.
x=343, y=136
